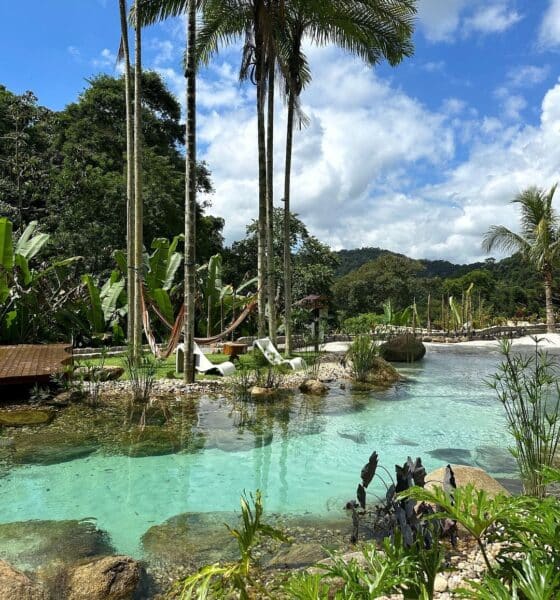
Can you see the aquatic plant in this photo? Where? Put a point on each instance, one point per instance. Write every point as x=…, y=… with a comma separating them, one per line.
x=142, y=375
x=528, y=387
x=87, y=377
x=362, y=354
x=243, y=381
x=236, y=576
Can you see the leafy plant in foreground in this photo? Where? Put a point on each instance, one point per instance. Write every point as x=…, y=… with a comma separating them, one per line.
x=528, y=388
x=216, y=580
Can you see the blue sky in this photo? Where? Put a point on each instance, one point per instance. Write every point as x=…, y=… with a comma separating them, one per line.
x=420, y=159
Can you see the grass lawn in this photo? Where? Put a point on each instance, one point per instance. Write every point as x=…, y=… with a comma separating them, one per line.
x=166, y=368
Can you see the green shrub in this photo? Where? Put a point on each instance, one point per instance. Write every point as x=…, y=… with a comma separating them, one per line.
x=363, y=323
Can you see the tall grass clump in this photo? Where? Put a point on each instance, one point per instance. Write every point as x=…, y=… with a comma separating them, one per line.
x=361, y=355
x=528, y=388
x=142, y=376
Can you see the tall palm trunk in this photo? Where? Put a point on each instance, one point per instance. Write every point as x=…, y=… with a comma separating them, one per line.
x=190, y=205
x=260, y=74
x=287, y=241
x=129, y=173
x=550, y=322
x=138, y=201
x=271, y=286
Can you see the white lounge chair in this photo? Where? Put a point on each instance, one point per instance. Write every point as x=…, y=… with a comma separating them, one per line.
x=274, y=357
x=202, y=364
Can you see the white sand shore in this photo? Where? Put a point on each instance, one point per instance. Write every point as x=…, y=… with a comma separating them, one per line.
x=547, y=340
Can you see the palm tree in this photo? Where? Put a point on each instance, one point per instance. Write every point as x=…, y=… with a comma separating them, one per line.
x=158, y=10
x=369, y=29
x=124, y=55
x=538, y=242
x=225, y=22
x=138, y=198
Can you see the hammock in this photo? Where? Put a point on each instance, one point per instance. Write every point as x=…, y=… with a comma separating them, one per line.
x=177, y=328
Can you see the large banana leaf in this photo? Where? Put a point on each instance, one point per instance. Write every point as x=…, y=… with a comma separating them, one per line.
x=95, y=310
x=6, y=257
x=110, y=294
x=161, y=298
x=23, y=266
x=28, y=244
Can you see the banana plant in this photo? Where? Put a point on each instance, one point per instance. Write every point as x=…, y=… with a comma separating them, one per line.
x=107, y=304
x=218, y=299
x=29, y=298
x=160, y=270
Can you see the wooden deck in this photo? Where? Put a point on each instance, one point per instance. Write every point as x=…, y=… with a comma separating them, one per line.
x=27, y=364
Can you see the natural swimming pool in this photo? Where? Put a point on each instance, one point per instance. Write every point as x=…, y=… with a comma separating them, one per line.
x=304, y=453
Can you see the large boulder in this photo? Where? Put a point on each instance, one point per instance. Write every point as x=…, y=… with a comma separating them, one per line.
x=403, y=348
x=29, y=544
x=192, y=539
x=26, y=416
x=14, y=585
x=464, y=476
x=382, y=373
x=107, y=578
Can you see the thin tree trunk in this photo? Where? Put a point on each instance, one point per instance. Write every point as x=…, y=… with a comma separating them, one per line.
x=287, y=240
x=271, y=287
x=129, y=175
x=550, y=322
x=429, y=323
x=260, y=80
x=138, y=200
x=190, y=207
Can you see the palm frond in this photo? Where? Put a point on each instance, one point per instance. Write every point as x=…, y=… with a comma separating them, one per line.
x=500, y=237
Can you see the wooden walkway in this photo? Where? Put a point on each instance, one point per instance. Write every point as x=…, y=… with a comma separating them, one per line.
x=27, y=364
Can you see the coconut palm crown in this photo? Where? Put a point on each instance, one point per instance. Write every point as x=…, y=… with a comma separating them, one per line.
x=538, y=242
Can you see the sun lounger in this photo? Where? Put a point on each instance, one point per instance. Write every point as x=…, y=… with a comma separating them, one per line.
x=274, y=357
x=202, y=364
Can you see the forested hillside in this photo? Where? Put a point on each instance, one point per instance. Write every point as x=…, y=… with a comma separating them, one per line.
x=369, y=277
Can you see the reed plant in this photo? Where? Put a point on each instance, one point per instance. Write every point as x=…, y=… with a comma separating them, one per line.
x=528, y=387
x=142, y=375
x=361, y=355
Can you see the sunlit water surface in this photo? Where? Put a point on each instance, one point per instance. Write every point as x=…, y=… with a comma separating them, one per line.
x=310, y=463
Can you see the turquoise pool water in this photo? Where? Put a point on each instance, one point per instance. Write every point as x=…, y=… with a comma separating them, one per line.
x=308, y=461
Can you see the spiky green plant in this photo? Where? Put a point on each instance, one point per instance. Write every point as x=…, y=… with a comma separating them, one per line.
x=529, y=389
x=218, y=580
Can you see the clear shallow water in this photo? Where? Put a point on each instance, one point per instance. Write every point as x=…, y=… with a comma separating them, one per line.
x=310, y=463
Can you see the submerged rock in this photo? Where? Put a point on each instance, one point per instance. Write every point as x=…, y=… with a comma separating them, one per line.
x=108, y=578
x=495, y=459
x=403, y=348
x=466, y=475
x=457, y=456
x=26, y=416
x=152, y=441
x=28, y=544
x=192, y=539
x=52, y=446
x=261, y=394
x=297, y=556
x=14, y=585
x=314, y=387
